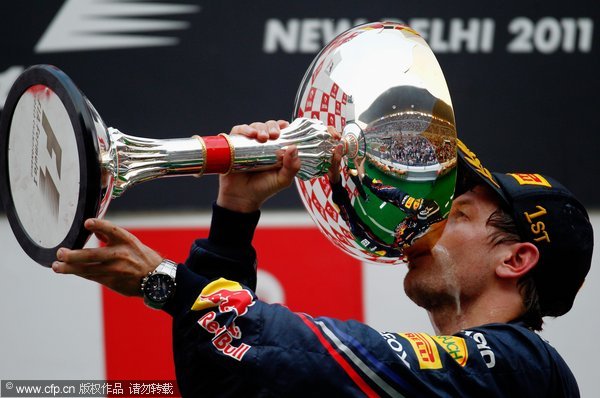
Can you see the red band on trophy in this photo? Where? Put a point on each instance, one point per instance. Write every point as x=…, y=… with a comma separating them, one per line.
x=218, y=155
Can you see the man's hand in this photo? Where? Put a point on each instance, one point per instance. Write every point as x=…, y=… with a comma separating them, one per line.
x=360, y=167
x=246, y=192
x=336, y=165
x=120, y=265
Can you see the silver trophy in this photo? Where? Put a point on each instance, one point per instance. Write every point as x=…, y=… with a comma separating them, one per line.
x=378, y=84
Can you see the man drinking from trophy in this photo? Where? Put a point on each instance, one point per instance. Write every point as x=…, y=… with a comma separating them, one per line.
x=486, y=276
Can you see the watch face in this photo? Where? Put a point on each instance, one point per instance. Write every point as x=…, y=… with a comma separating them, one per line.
x=159, y=287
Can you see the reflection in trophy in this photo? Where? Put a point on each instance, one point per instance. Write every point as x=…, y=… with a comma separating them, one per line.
x=378, y=84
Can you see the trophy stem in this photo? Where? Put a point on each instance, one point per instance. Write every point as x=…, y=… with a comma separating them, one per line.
x=131, y=160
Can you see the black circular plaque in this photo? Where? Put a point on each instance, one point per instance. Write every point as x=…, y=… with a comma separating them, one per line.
x=50, y=178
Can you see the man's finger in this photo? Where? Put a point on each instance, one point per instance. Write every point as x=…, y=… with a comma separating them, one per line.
x=101, y=237
x=109, y=230
x=240, y=129
x=263, y=131
x=334, y=168
x=93, y=272
x=273, y=127
x=245, y=130
x=95, y=255
x=79, y=269
x=291, y=165
x=334, y=133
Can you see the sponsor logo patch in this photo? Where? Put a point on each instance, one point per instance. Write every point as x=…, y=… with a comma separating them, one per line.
x=417, y=204
x=455, y=346
x=225, y=294
x=425, y=349
x=530, y=179
x=484, y=349
x=231, y=299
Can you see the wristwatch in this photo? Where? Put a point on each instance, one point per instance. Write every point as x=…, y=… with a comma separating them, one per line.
x=159, y=286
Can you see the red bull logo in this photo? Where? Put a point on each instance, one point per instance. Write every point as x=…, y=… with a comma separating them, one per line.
x=230, y=300
x=224, y=336
x=228, y=297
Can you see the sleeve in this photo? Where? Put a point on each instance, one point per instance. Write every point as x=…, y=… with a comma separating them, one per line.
x=228, y=251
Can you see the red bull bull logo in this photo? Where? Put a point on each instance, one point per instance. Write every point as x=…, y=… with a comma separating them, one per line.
x=228, y=297
x=230, y=300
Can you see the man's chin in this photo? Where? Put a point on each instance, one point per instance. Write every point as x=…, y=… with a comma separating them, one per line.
x=420, y=292
x=412, y=287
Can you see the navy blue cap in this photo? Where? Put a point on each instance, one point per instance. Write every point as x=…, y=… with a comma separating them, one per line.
x=546, y=214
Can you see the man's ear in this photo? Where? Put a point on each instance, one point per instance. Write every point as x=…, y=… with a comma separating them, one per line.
x=520, y=258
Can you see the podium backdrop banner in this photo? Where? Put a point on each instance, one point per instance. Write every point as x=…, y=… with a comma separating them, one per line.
x=523, y=76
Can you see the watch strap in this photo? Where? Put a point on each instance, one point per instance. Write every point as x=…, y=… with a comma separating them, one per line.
x=167, y=267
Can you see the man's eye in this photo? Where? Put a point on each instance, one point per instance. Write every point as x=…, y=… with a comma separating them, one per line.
x=459, y=214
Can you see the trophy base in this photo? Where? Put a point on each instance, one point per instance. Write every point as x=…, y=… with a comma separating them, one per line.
x=50, y=177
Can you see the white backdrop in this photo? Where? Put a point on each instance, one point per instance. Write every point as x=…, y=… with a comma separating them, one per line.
x=51, y=325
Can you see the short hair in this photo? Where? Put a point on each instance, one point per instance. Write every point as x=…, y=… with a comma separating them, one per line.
x=505, y=231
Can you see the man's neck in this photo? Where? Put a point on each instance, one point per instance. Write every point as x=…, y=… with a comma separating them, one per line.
x=453, y=317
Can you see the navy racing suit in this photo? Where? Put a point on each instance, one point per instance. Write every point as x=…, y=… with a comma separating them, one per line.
x=226, y=342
